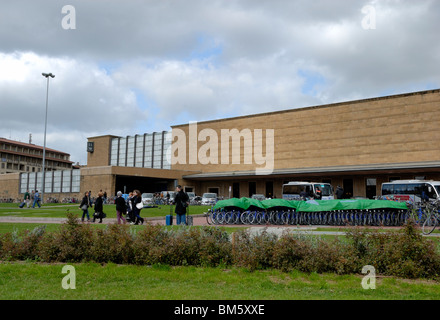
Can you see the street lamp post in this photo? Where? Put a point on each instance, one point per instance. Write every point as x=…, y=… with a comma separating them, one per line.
x=46, y=75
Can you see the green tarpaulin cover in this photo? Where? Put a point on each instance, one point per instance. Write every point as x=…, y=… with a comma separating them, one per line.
x=309, y=206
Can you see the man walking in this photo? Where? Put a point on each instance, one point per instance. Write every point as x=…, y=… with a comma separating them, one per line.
x=36, y=199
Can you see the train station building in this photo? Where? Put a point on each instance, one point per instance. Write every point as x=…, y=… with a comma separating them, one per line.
x=356, y=144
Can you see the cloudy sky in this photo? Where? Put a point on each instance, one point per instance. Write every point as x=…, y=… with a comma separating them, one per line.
x=130, y=67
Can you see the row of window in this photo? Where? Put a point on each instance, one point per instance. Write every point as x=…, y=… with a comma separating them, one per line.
x=31, y=151
x=65, y=181
x=142, y=151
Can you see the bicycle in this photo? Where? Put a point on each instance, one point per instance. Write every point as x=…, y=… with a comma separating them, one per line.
x=432, y=219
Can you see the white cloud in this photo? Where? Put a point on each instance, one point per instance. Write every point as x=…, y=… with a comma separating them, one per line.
x=141, y=66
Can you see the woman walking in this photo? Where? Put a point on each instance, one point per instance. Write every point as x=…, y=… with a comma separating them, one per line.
x=98, y=208
x=84, y=206
x=137, y=206
x=121, y=208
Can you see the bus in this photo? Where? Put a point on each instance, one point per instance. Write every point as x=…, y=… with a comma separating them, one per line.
x=292, y=190
x=410, y=190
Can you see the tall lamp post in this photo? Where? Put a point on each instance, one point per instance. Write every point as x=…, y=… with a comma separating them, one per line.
x=47, y=76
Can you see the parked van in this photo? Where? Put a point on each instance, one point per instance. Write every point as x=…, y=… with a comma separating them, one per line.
x=410, y=190
x=292, y=190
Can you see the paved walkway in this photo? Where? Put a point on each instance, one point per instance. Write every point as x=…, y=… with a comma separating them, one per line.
x=198, y=220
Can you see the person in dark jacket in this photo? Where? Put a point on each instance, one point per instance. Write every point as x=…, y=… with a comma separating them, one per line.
x=84, y=206
x=339, y=192
x=121, y=208
x=137, y=206
x=181, y=200
x=98, y=208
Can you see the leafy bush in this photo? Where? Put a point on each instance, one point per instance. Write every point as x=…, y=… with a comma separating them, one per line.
x=21, y=245
x=185, y=246
x=72, y=243
x=405, y=253
x=114, y=244
x=253, y=252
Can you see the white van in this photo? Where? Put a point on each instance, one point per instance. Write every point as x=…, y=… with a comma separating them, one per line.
x=410, y=190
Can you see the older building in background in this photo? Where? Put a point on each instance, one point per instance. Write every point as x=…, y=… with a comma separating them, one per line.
x=25, y=157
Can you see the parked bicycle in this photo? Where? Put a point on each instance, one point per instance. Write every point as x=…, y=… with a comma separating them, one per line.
x=432, y=218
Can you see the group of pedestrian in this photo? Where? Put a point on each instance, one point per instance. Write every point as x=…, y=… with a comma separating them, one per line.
x=133, y=207
x=130, y=209
x=31, y=197
x=86, y=203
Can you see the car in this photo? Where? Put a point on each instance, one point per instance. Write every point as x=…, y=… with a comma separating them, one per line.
x=191, y=195
x=260, y=197
x=147, y=198
x=209, y=199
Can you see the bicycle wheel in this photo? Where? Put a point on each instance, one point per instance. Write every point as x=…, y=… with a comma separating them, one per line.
x=429, y=224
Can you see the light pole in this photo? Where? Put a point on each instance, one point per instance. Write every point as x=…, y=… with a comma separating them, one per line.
x=46, y=75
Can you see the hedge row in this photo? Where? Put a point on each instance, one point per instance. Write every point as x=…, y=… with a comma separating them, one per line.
x=404, y=254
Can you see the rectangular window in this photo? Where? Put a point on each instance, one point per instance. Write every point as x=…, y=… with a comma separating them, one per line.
x=57, y=176
x=39, y=183
x=130, y=151
x=66, y=181
x=48, y=182
x=114, y=152
x=23, y=182
x=139, y=151
x=148, y=161
x=122, y=152
x=76, y=180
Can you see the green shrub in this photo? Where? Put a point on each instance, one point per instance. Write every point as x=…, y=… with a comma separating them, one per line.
x=21, y=245
x=405, y=253
x=72, y=243
x=253, y=252
x=113, y=244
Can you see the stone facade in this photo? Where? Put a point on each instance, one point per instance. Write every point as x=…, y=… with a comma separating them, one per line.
x=357, y=144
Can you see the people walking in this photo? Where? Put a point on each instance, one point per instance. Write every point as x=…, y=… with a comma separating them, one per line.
x=121, y=208
x=137, y=207
x=36, y=199
x=130, y=208
x=99, y=213
x=84, y=206
x=181, y=200
x=27, y=198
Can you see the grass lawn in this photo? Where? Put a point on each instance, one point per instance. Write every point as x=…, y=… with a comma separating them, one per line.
x=59, y=210
x=50, y=227
x=161, y=282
